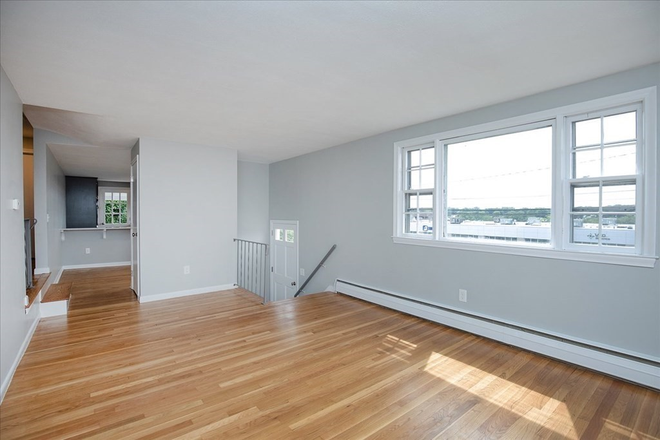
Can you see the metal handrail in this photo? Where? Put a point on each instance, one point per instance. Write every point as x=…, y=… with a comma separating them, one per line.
x=318, y=266
x=28, y=224
x=252, y=267
x=253, y=242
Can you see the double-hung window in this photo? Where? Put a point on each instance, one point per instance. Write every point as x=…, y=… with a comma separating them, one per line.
x=604, y=178
x=577, y=182
x=419, y=190
x=113, y=207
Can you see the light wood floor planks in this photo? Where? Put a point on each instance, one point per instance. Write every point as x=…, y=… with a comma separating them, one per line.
x=323, y=366
x=37, y=284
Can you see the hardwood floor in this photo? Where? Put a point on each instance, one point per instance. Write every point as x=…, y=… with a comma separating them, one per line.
x=323, y=366
x=37, y=285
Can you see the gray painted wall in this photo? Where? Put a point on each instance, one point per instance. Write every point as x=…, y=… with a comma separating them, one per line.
x=253, y=220
x=14, y=323
x=188, y=205
x=135, y=151
x=56, y=204
x=344, y=195
x=115, y=248
x=40, y=203
x=49, y=200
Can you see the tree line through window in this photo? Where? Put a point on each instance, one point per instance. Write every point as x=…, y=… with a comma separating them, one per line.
x=114, y=206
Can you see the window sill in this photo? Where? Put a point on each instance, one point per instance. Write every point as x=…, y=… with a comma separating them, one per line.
x=589, y=257
x=103, y=229
x=98, y=228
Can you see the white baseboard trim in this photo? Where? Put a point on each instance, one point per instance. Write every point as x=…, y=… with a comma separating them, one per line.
x=14, y=366
x=55, y=308
x=58, y=276
x=647, y=374
x=93, y=265
x=41, y=270
x=149, y=298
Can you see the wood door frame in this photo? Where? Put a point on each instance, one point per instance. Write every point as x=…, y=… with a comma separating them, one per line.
x=135, y=226
x=295, y=223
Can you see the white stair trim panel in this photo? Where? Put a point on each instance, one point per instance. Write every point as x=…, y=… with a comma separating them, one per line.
x=54, y=308
x=169, y=295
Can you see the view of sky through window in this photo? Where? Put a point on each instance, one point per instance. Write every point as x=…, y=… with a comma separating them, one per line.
x=508, y=171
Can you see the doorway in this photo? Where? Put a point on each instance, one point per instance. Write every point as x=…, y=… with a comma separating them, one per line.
x=28, y=203
x=284, y=240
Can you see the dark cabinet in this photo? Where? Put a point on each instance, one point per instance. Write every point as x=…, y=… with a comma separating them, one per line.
x=81, y=194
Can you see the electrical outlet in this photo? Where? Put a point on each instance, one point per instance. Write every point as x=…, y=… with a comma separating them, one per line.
x=302, y=272
x=88, y=251
x=462, y=295
x=186, y=270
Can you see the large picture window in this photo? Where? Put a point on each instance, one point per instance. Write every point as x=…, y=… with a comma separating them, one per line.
x=499, y=186
x=578, y=182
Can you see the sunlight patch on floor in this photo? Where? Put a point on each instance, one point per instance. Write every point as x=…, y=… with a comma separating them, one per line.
x=625, y=431
x=505, y=394
x=397, y=348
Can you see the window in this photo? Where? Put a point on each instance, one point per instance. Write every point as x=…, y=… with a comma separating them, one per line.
x=578, y=182
x=604, y=178
x=419, y=190
x=499, y=186
x=287, y=235
x=113, y=206
x=290, y=236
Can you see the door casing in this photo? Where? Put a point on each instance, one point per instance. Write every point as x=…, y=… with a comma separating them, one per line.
x=135, y=226
x=291, y=264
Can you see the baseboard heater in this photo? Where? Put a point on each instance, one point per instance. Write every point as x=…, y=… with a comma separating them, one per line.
x=606, y=360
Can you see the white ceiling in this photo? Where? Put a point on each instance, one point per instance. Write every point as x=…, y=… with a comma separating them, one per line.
x=109, y=164
x=275, y=80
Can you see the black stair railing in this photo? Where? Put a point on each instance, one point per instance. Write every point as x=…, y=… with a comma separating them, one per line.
x=318, y=266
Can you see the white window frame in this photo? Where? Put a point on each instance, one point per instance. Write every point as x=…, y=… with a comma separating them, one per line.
x=638, y=178
x=101, y=206
x=442, y=151
x=645, y=250
x=433, y=191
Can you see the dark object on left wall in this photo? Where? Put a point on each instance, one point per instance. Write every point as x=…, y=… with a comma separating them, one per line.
x=81, y=195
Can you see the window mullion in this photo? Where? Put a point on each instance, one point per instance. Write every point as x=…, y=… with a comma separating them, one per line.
x=561, y=161
x=640, y=184
x=600, y=214
x=403, y=186
x=439, y=206
x=602, y=146
x=600, y=183
x=419, y=173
